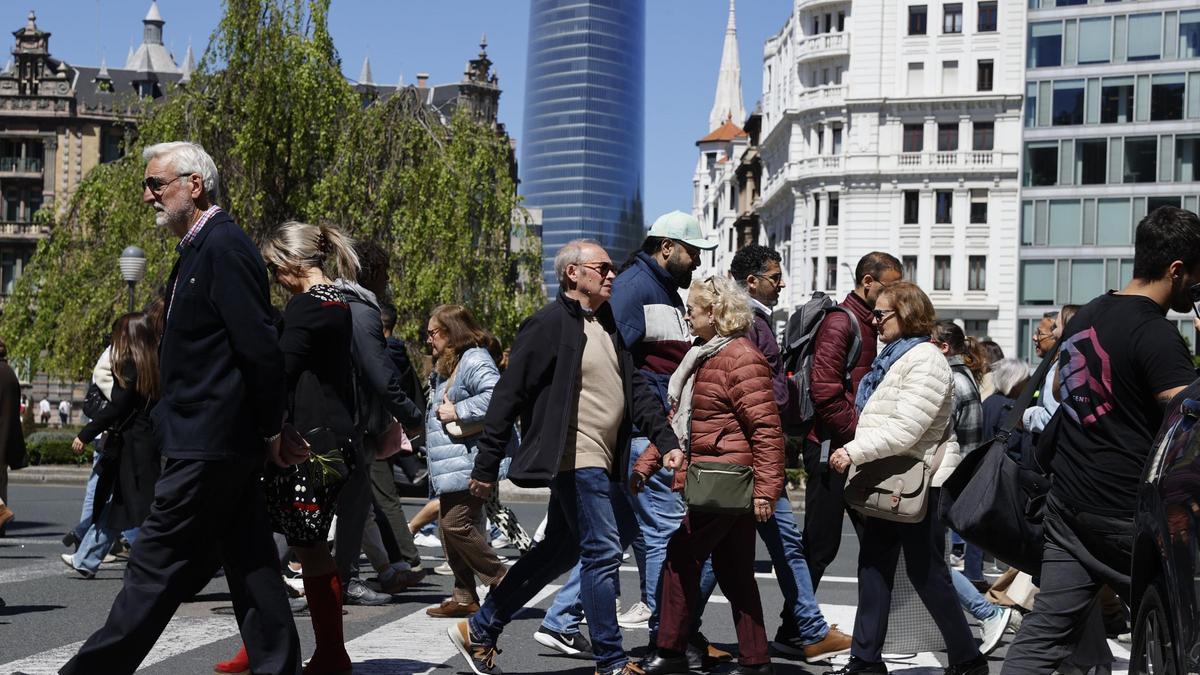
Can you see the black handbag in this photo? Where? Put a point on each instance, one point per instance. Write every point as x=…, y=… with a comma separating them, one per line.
x=996, y=503
x=94, y=401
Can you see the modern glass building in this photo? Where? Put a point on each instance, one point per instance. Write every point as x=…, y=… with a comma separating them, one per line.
x=582, y=154
x=1111, y=132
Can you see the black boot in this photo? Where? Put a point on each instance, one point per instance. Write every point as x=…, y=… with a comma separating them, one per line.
x=857, y=666
x=760, y=669
x=662, y=662
x=976, y=666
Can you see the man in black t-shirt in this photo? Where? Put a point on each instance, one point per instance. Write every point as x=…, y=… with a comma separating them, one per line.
x=1120, y=363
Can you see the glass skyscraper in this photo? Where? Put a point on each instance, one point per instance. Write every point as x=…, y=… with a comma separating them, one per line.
x=582, y=154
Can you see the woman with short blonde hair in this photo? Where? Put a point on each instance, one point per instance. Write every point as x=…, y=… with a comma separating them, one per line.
x=728, y=302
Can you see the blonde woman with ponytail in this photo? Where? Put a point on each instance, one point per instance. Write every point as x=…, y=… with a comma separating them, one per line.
x=315, y=341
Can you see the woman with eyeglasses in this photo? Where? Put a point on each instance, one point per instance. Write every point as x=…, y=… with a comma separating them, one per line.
x=464, y=374
x=724, y=411
x=315, y=341
x=906, y=408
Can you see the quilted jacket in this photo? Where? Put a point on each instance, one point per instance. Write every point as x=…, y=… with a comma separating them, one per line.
x=451, y=460
x=734, y=419
x=909, y=412
x=836, y=415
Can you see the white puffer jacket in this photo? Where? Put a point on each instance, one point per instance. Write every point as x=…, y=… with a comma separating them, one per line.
x=909, y=412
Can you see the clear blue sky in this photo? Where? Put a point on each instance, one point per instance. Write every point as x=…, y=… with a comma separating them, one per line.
x=683, y=53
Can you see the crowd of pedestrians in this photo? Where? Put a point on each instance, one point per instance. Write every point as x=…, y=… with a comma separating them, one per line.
x=654, y=406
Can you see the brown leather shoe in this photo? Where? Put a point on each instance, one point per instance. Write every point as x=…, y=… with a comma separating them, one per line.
x=835, y=642
x=6, y=514
x=718, y=654
x=630, y=668
x=452, y=609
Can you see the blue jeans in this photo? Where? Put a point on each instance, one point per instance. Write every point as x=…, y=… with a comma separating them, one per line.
x=659, y=512
x=97, y=541
x=785, y=542
x=582, y=526
x=971, y=599
x=89, y=500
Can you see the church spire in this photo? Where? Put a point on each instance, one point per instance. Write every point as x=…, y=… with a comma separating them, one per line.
x=727, y=104
x=365, y=76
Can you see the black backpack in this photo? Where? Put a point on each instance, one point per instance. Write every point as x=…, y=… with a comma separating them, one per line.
x=799, y=342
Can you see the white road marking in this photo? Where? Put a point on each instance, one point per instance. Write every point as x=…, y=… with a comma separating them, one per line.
x=37, y=570
x=767, y=575
x=181, y=635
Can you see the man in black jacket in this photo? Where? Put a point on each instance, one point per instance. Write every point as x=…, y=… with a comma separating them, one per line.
x=223, y=398
x=572, y=384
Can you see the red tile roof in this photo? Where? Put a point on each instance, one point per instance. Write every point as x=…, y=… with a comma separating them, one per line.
x=726, y=132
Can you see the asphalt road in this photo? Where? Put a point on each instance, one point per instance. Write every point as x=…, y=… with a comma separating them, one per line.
x=50, y=610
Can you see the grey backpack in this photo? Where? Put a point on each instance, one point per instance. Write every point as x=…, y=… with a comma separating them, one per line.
x=799, y=342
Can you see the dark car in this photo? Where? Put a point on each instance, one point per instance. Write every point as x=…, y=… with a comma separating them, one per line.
x=1166, y=631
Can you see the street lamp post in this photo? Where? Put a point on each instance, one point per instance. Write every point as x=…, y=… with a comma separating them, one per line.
x=133, y=269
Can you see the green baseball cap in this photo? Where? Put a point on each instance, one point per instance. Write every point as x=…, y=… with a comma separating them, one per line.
x=683, y=227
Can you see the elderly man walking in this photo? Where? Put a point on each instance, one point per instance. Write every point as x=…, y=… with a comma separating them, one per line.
x=573, y=385
x=218, y=420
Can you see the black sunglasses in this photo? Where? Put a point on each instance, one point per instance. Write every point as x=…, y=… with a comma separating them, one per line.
x=601, y=268
x=157, y=185
x=882, y=314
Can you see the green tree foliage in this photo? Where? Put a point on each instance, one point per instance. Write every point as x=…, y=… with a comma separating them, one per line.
x=293, y=140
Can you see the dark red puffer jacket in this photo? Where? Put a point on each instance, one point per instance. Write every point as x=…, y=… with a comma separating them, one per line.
x=836, y=416
x=734, y=419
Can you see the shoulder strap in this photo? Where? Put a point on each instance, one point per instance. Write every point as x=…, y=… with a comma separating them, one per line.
x=1026, y=397
x=855, y=350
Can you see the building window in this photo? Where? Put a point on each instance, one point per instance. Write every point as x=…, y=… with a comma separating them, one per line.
x=941, y=272
x=836, y=146
x=12, y=263
x=977, y=273
x=912, y=207
x=1141, y=160
x=816, y=211
x=1041, y=164
x=833, y=208
x=944, y=201
x=1037, y=282
x=710, y=160
x=1031, y=97
x=979, y=205
x=841, y=26
x=1166, y=97
x=914, y=137
x=984, y=75
x=987, y=17
x=1068, y=103
x=1045, y=45
x=952, y=18
x=976, y=328
x=816, y=25
x=1095, y=40
x=830, y=273
x=1145, y=37
x=983, y=135
x=814, y=273
x=1091, y=161
x=949, y=77
x=1116, y=100
x=1153, y=203
x=918, y=16
x=948, y=137
x=1187, y=158
x=910, y=267
x=1189, y=34
x=916, y=78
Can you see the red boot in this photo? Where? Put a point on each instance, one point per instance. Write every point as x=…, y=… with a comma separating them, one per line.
x=324, y=595
x=240, y=663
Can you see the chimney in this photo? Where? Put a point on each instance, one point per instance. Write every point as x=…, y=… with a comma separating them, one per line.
x=422, y=78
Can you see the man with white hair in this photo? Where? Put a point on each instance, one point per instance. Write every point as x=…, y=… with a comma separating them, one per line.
x=573, y=385
x=219, y=419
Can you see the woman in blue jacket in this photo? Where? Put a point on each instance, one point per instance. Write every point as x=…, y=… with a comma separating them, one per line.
x=464, y=374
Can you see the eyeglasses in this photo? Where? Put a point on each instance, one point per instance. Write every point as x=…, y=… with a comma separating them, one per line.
x=602, y=268
x=434, y=332
x=775, y=279
x=157, y=185
x=1038, y=337
x=882, y=315
x=712, y=286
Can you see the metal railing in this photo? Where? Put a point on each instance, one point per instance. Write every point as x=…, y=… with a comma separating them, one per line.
x=20, y=165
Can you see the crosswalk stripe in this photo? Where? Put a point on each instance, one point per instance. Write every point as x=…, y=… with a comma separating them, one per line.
x=182, y=634
x=416, y=643
x=37, y=570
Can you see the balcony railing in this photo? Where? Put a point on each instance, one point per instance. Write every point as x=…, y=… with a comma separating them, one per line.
x=20, y=165
x=16, y=229
x=823, y=45
x=952, y=158
x=819, y=96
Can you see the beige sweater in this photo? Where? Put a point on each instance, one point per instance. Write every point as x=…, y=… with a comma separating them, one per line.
x=600, y=404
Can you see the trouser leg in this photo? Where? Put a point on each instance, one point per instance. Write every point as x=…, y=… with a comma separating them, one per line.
x=733, y=564
x=824, y=510
x=785, y=542
x=387, y=498
x=679, y=591
x=353, y=509
x=467, y=551
x=659, y=511
x=878, y=554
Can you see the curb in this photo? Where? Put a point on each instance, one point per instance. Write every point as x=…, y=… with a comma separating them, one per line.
x=51, y=474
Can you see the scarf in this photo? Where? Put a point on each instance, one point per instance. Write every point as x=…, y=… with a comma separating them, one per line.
x=679, y=391
x=882, y=364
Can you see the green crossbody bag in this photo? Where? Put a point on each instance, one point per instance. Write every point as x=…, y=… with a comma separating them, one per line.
x=719, y=487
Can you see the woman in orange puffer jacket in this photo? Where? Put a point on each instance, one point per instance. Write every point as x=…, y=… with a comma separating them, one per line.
x=725, y=409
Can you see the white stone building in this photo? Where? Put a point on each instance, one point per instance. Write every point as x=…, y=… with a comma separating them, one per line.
x=896, y=126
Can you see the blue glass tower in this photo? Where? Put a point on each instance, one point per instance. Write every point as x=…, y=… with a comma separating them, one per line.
x=581, y=159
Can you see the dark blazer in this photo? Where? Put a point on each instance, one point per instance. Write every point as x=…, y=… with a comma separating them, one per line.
x=12, y=440
x=222, y=371
x=538, y=388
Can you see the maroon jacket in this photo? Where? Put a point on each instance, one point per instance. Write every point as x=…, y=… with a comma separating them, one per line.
x=763, y=336
x=836, y=416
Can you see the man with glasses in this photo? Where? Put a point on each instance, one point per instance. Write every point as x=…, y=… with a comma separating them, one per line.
x=836, y=418
x=1045, y=336
x=574, y=387
x=219, y=420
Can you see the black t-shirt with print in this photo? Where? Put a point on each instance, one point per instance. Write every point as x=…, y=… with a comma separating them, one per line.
x=1117, y=354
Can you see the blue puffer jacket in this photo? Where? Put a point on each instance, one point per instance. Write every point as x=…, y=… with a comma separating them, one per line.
x=451, y=461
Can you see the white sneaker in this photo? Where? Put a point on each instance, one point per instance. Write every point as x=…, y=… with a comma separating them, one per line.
x=444, y=570
x=993, y=629
x=637, y=616
x=501, y=542
x=956, y=561
x=427, y=540
x=295, y=586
